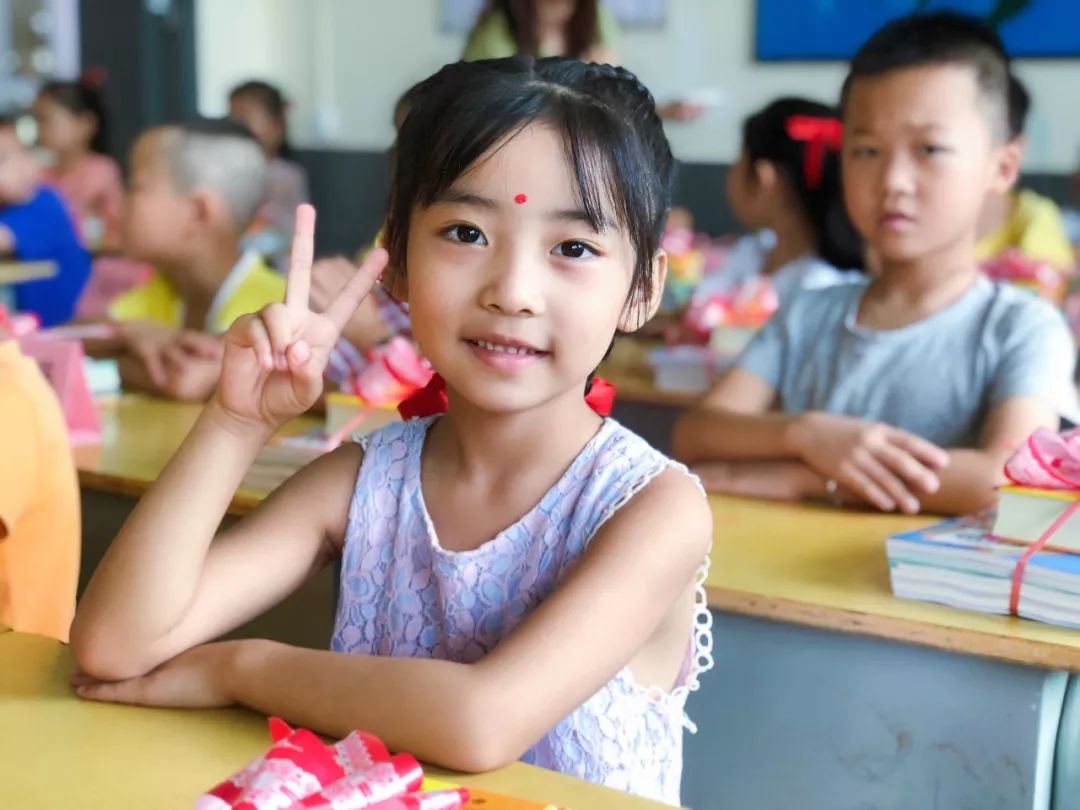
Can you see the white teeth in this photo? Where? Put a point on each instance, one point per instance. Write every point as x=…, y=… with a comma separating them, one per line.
x=495, y=347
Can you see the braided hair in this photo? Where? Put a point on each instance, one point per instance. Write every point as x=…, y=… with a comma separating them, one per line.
x=614, y=143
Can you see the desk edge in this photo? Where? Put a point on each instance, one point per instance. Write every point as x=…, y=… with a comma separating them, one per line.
x=1028, y=652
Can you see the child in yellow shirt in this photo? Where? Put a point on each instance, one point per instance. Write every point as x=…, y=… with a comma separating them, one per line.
x=39, y=502
x=1021, y=219
x=194, y=188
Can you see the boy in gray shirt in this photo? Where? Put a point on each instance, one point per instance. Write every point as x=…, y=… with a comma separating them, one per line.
x=909, y=391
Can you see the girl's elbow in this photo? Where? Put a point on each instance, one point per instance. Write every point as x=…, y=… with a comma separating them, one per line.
x=482, y=739
x=102, y=657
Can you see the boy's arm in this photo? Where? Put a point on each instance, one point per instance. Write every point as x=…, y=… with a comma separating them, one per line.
x=734, y=421
x=885, y=466
x=970, y=481
x=634, y=583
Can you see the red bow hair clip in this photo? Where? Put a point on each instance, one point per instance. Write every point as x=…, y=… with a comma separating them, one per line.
x=432, y=399
x=819, y=135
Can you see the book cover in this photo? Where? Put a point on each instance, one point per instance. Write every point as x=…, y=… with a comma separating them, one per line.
x=1025, y=514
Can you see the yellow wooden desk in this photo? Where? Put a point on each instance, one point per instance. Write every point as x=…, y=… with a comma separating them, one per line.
x=824, y=567
x=18, y=272
x=883, y=701
x=60, y=752
x=140, y=435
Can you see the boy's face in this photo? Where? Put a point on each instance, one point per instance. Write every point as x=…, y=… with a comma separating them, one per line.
x=19, y=174
x=155, y=216
x=919, y=158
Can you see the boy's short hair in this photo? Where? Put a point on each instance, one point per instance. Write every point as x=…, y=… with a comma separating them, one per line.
x=1019, y=105
x=220, y=155
x=941, y=38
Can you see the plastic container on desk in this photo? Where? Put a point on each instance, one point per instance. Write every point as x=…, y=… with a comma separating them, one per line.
x=685, y=368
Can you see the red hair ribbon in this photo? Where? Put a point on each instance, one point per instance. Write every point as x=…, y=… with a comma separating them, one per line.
x=432, y=399
x=819, y=135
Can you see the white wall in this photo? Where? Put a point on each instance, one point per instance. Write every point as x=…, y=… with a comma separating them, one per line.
x=344, y=63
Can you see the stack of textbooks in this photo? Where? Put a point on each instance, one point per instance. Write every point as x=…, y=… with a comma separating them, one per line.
x=970, y=562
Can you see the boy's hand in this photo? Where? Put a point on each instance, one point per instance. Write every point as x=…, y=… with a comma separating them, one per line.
x=274, y=360
x=365, y=327
x=889, y=467
x=147, y=342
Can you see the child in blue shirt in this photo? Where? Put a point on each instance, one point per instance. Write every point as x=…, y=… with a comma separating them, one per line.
x=908, y=391
x=35, y=225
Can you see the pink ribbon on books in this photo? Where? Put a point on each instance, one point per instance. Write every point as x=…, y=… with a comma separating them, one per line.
x=1047, y=460
x=301, y=772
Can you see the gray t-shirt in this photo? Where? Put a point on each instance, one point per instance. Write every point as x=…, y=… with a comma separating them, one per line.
x=937, y=378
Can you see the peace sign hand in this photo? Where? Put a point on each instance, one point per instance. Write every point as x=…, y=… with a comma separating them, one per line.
x=274, y=360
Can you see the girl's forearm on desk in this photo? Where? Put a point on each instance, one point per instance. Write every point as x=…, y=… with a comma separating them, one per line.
x=149, y=576
x=428, y=707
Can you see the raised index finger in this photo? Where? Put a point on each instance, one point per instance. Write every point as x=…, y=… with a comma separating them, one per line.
x=298, y=282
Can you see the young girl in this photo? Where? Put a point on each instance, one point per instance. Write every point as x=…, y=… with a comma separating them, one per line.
x=786, y=188
x=512, y=581
x=262, y=108
x=74, y=127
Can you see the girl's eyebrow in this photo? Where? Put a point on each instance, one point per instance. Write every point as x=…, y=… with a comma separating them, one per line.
x=458, y=197
x=453, y=196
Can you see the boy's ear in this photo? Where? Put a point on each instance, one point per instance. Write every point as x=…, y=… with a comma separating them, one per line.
x=639, y=311
x=1006, y=169
x=207, y=207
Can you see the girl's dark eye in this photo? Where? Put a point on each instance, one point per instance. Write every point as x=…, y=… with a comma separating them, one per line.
x=573, y=250
x=466, y=234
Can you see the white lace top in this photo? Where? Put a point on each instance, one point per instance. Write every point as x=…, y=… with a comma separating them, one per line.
x=402, y=594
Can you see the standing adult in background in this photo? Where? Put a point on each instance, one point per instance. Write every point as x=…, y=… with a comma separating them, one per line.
x=578, y=29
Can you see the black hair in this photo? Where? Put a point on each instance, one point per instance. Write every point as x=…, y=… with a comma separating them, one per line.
x=405, y=103
x=273, y=101
x=1019, y=106
x=772, y=134
x=940, y=38
x=83, y=97
x=614, y=142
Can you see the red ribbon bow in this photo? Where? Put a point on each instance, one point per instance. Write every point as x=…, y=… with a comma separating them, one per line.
x=432, y=399
x=819, y=135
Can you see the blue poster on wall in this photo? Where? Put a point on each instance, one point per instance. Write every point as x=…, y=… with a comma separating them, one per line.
x=834, y=29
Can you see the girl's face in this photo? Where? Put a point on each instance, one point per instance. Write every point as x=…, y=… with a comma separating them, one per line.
x=267, y=129
x=514, y=297
x=60, y=129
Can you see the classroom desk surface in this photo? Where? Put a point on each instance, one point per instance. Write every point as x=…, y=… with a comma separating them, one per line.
x=18, y=272
x=140, y=434
x=818, y=566
x=59, y=751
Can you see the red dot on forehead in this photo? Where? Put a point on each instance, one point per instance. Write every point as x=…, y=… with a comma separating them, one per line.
x=520, y=199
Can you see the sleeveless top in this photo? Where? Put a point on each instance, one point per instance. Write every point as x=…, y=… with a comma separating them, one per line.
x=402, y=594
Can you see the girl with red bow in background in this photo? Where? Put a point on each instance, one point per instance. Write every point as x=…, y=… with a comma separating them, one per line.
x=785, y=188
